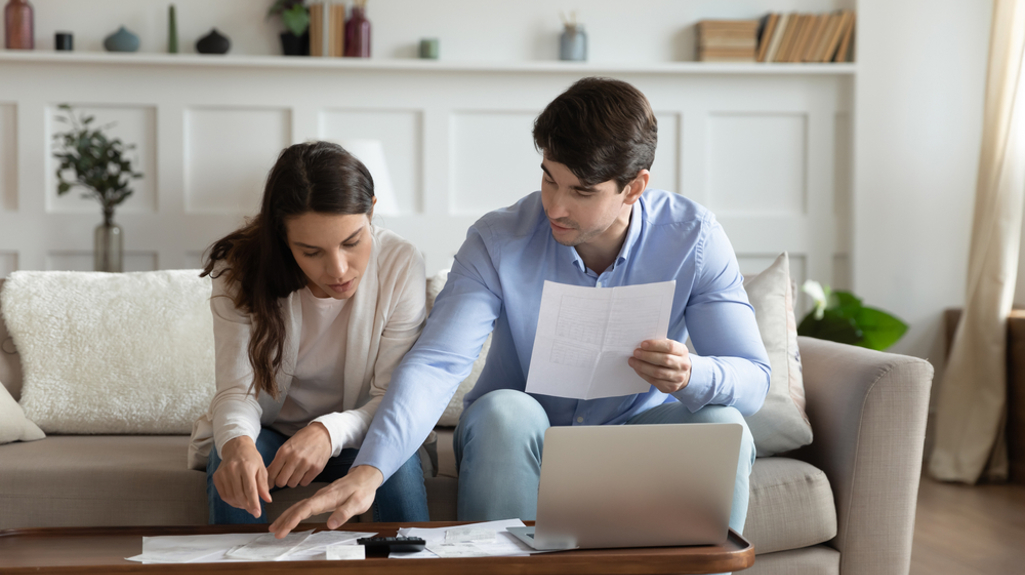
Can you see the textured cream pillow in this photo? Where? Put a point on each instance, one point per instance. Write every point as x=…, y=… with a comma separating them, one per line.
x=112, y=353
x=14, y=426
x=781, y=424
x=450, y=417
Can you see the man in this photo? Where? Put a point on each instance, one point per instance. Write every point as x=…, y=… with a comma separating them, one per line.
x=592, y=224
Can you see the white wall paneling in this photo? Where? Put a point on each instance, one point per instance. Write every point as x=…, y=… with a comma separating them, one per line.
x=755, y=144
x=228, y=152
x=399, y=132
x=8, y=263
x=82, y=261
x=8, y=157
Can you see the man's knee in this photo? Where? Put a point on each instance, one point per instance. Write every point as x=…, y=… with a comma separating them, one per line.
x=726, y=414
x=503, y=416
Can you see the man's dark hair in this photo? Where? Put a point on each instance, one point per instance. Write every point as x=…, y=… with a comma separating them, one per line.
x=601, y=129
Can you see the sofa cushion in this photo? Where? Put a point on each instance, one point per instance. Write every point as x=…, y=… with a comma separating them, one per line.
x=10, y=361
x=791, y=506
x=136, y=349
x=106, y=480
x=14, y=426
x=781, y=424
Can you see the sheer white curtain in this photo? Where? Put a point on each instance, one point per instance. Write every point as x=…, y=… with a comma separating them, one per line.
x=972, y=396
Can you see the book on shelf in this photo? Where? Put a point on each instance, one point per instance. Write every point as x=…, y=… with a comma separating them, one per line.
x=336, y=31
x=727, y=40
x=796, y=37
x=316, y=29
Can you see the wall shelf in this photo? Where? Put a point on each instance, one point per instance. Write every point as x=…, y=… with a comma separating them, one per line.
x=414, y=65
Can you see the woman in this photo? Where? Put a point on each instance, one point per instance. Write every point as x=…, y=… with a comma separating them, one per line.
x=313, y=308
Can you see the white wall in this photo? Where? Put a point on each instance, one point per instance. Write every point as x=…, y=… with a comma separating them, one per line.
x=641, y=31
x=919, y=99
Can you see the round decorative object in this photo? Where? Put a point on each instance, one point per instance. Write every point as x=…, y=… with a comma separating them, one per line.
x=213, y=43
x=121, y=41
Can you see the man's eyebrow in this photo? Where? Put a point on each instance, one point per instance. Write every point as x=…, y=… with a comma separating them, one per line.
x=589, y=189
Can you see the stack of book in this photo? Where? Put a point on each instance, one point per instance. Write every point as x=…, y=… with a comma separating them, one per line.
x=806, y=37
x=727, y=40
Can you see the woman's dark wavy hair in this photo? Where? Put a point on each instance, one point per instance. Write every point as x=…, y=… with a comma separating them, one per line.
x=318, y=177
x=602, y=129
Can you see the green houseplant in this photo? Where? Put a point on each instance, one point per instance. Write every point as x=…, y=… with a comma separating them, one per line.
x=91, y=160
x=840, y=316
x=295, y=16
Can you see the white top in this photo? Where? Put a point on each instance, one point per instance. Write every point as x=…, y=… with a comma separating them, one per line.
x=385, y=317
x=317, y=386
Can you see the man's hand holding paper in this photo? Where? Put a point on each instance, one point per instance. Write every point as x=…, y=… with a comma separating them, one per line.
x=664, y=363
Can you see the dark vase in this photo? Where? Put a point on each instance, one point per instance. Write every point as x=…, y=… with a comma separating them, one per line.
x=18, y=26
x=357, y=35
x=213, y=43
x=292, y=45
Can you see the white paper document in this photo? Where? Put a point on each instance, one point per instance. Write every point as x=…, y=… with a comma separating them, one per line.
x=489, y=539
x=585, y=337
x=243, y=547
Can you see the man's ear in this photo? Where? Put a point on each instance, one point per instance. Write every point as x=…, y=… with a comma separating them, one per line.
x=636, y=187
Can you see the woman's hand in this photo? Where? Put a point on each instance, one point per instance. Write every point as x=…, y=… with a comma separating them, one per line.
x=241, y=478
x=663, y=363
x=301, y=459
x=348, y=496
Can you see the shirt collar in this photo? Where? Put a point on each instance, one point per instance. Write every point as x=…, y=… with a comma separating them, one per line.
x=633, y=234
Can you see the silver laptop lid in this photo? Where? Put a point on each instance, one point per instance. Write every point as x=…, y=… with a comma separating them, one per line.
x=637, y=485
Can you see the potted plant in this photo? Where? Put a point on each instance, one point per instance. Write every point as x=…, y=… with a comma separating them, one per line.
x=295, y=16
x=91, y=160
x=840, y=316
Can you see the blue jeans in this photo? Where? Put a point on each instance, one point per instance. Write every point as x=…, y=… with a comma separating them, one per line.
x=499, y=441
x=400, y=499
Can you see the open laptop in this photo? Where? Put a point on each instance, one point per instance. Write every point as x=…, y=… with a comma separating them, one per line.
x=635, y=486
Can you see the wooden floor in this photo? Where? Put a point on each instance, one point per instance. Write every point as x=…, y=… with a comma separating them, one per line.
x=962, y=530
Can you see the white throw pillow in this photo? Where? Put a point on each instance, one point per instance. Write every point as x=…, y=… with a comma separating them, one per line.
x=781, y=424
x=112, y=353
x=450, y=417
x=14, y=426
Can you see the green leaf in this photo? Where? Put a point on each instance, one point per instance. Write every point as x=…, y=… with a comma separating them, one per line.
x=880, y=328
x=833, y=327
x=846, y=303
x=296, y=19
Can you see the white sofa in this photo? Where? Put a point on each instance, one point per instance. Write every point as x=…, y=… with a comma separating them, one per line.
x=844, y=504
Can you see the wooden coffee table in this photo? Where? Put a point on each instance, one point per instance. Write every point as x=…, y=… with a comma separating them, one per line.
x=94, y=550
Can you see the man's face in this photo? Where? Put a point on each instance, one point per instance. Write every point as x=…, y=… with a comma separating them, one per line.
x=579, y=214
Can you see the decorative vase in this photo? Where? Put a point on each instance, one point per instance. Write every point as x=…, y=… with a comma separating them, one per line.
x=357, y=34
x=172, y=30
x=18, y=26
x=292, y=45
x=63, y=41
x=213, y=43
x=573, y=43
x=108, y=247
x=121, y=41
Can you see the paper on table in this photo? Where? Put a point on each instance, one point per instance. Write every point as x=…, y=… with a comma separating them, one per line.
x=318, y=544
x=504, y=543
x=189, y=548
x=585, y=337
x=267, y=547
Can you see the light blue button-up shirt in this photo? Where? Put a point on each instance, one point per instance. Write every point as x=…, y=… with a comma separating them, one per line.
x=496, y=282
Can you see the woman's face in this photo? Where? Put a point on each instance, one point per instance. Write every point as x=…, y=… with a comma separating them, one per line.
x=331, y=249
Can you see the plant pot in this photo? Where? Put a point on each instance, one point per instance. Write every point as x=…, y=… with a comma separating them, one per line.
x=292, y=45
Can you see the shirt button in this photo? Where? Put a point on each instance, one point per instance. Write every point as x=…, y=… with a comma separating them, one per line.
x=580, y=420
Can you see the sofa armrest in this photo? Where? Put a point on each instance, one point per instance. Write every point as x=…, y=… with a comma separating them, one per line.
x=868, y=413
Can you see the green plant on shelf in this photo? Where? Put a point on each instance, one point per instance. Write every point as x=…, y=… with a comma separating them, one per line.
x=840, y=316
x=294, y=15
